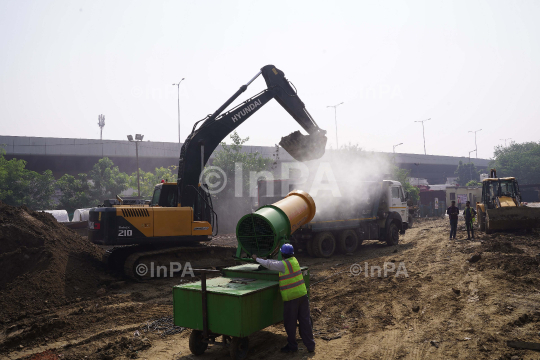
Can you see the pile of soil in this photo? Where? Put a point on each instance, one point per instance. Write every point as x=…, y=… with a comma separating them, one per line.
x=502, y=246
x=43, y=263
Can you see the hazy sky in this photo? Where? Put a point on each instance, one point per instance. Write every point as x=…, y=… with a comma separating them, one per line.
x=467, y=65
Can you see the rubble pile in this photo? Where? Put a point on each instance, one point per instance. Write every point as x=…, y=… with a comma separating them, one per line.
x=43, y=263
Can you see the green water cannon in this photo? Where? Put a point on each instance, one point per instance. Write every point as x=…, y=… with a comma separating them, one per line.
x=263, y=232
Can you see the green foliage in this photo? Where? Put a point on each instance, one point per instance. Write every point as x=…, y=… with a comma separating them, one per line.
x=466, y=173
x=519, y=160
x=148, y=180
x=231, y=155
x=402, y=175
x=107, y=180
x=76, y=193
x=20, y=186
x=473, y=183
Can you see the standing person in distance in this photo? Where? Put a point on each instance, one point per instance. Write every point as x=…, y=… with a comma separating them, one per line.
x=453, y=213
x=295, y=300
x=469, y=213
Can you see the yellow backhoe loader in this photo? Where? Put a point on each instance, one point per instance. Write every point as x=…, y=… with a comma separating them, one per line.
x=501, y=207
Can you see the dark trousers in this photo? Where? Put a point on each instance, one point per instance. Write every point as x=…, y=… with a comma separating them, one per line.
x=470, y=229
x=453, y=228
x=293, y=311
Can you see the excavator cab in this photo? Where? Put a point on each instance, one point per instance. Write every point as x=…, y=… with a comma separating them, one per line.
x=165, y=195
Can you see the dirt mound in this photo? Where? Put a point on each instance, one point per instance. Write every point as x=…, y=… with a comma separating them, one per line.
x=516, y=265
x=505, y=247
x=43, y=263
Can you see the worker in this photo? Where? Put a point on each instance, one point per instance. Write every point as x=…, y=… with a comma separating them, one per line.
x=295, y=300
x=469, y=213
x=453, y=213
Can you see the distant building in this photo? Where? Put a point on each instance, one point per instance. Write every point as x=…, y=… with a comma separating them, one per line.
x=451, y=181
x=418, y=181
x=462, y=194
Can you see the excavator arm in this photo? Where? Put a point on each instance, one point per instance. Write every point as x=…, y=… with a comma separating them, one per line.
x=202, y=141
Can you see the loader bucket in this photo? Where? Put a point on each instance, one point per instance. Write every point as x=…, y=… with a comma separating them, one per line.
x=304, y=147
x=513, y=218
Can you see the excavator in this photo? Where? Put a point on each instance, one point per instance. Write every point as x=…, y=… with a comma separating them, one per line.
x=182, y=213
x=501, y=207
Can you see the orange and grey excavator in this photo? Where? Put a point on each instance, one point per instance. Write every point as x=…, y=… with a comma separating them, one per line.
x=182, y=212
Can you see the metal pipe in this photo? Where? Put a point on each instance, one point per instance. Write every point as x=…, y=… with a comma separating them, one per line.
x=232, y=98
x=138, y=177
x=204, y=305
x=253, y=79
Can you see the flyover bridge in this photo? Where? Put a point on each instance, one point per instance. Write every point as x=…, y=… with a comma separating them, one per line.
x=73, y=156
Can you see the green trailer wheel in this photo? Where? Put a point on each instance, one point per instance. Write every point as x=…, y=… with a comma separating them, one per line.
x=239, y=348
x=197, y=346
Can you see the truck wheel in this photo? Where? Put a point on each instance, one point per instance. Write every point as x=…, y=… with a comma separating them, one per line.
x=239, y=348
x=324, y=244
x=347, y=241
x=309, y=247
x=392, y=235
x=196, y=344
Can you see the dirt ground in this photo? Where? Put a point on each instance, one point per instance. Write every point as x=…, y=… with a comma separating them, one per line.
x=446, y=302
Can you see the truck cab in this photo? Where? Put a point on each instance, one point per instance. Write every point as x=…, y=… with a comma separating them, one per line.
x=396, y=200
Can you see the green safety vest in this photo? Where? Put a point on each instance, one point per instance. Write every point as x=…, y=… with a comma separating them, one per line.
x=291, y=282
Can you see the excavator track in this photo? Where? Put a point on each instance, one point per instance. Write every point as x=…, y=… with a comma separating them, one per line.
x=154, y=262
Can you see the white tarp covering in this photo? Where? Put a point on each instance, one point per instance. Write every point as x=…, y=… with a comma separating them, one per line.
x=81, y=214
x=59, y=215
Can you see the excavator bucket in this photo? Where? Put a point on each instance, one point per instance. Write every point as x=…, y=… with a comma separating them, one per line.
x=513, y=218
x=304, y=147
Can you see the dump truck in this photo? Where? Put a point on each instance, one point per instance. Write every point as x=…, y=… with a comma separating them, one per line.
x=501, y=207
x=369, y=210
x=182, y=213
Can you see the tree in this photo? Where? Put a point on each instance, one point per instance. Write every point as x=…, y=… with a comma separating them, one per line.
x=20, y=186
x=230, y=155
x=76, y=193
x=148, y=180
x=466, y=173
x=107, y=180
x=473, y=183
x=519, y=160
x=402, y=175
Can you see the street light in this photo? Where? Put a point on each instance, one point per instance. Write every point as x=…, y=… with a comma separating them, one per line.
x=423, y=133
x=470, y=170
x=396, y=146
x=138, y=137
x=476, y=147
x=178, y=87
x=335, y=118
x=505, y=141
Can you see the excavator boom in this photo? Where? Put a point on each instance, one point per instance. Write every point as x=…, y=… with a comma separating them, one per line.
x=202, y=141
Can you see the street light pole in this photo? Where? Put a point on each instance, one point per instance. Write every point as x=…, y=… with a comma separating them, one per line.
x=138, y=138
x=335, y=119
x=396, y=146
x=423, y=133
x=178, y=87
x=476, y=147
x=470, y=167
x=505, y=141
x=138, y=176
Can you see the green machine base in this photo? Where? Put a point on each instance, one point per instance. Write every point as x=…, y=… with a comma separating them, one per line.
x=244, y=300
